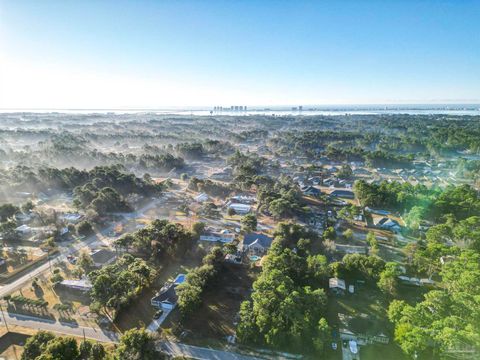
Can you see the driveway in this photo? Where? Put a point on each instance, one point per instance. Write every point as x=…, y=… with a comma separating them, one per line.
x=155, y=324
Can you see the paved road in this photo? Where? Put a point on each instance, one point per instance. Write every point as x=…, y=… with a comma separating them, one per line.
x=57, y=258
x=199, y=353
x=69, y=249
x=94, y=333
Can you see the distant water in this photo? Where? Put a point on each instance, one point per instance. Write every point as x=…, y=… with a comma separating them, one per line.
x=277, y=112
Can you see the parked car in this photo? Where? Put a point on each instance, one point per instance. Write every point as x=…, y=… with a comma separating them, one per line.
x=334, y=345
x=158, y=314
x=353, y=346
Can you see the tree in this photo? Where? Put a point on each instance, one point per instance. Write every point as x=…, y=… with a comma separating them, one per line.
x=56, y=278
x=36, y=344
x=189, y=298
x=137, y=344
x=249, y=223
x=7, y=211
x=27, y=207
x=348, y=234
x=97, y=352
x=85, y=349
x=84, y=228
x=345, y=172
x=91, y=351
x=198, y=228
x=329, y=233
x=447, y=318
x=288, y=301
x=322, y=336
x=61, y=348
x=388, y=281
x=280, y=208
x=372, y=242
x=85, y=261
x=7, y=229
x=231, y=211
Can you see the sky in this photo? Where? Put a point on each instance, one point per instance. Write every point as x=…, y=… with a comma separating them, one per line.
x=158, y=54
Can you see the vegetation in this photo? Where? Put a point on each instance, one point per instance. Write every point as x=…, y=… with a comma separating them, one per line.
x=448, y=319
x=288, y=303
x=190, y=292
x=115, y=286
x=46, y=346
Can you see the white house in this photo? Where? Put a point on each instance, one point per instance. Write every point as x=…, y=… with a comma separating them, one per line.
x=82, y=284
x=240, y=208
x=201, y=198
x=24, y=229
x=337, y=285
x=223, y=236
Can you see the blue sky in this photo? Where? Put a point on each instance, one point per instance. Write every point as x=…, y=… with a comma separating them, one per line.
x=100, y=54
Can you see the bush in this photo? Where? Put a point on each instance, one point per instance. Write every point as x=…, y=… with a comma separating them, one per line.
x=84, y=228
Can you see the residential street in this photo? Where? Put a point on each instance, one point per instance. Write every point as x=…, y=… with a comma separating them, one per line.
x=58, y=327
x=199, y=353
x=69, y=249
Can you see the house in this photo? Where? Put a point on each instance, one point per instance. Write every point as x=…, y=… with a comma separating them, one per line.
x=166, y=298
x=409, y=280
x=23, y=229
x=377, y=211
x=102, y=257
x=388, y=224
x=243, y=199
x=337, y=286
x=72, y=218
x=256, y=243
x=233, y=259
x=240, y=208
x=311, y=191
x=346, y=194
x=223, y=236
x=23, y=218
x=351, y=249
x=83, y=285
x=225, y=173
x=201, y=198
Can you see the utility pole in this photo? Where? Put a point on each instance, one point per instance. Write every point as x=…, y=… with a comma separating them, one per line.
x=4, y=320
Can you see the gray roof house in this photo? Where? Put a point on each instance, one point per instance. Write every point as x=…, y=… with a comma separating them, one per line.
x=311, y=191
x=167, y=298
x=256, y=243
x=343, y=194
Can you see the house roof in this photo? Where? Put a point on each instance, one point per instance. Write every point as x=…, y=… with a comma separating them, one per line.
x=201, y=197
x=336, y=283
x=166, y=294
x=310, y=189
x=343, y=193
x=240, y=207
x=79, y=284
x=257, y=238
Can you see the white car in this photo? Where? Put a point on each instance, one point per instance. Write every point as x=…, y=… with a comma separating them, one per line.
x=334, y=345
x=353, y=346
